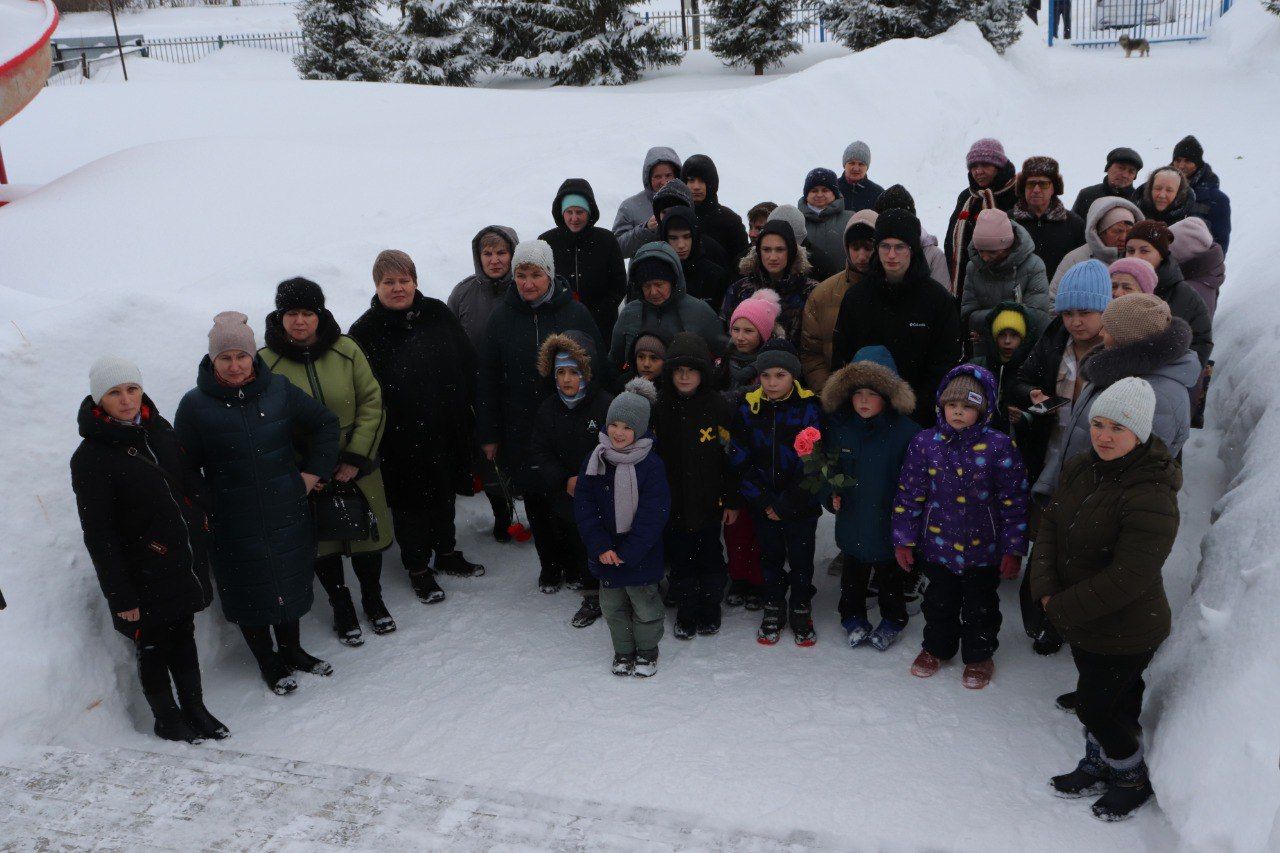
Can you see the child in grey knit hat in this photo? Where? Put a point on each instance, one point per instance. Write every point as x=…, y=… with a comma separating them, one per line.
x=621, y=503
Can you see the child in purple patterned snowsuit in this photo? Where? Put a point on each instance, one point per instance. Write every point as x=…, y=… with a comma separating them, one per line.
x=962, y=510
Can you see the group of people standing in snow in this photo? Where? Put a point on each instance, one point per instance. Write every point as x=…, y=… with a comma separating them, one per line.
x=681, y=397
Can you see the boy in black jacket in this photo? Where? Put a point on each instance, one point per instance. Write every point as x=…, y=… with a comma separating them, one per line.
x=691, y=422
x=566, y=429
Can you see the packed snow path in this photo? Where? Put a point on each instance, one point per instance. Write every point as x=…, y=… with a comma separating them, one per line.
x=218, y=799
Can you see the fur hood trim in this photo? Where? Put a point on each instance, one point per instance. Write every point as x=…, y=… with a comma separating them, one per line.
x=1105, y=367
x=867, y=374
x=558, y=343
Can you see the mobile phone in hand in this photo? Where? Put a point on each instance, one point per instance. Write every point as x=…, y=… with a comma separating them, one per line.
x=1050, y=405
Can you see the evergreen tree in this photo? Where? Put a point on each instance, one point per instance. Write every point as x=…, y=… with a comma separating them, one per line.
x=999, y=20
x=584, y=42
x=1273, y=6
x=756, y=34
x=517, y=28
x=339, y=40
x=861, y=24
x=435, y=43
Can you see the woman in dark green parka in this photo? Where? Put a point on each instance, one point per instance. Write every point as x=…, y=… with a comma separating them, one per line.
x=1096, y=570
x=239, y=424
x=306, y=346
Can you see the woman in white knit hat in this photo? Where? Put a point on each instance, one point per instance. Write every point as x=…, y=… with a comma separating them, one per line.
x=1096, y=569
x=140, y=504
x=240, y=424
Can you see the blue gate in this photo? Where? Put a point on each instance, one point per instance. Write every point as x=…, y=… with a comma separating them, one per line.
x=1101, y=23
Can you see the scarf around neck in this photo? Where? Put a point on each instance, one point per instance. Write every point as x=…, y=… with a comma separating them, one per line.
x=626, y=489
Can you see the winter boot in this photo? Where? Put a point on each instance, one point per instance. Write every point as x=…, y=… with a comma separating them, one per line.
x=196, y=715
x=802, y=627
x=858, y=629
x=170, y=723
x=775, y=619
x=345, y=623
x=925, y=665
x=277, y=674
x=1047, y=642
x=425, y=586
x=646, y=663
x=1127, y=791
x=501, y=531
x=1066, y=702
x=709, y=624
x=754, y=599
x=623, y=665
x=1089, y=777
x=737, y=592
x=686, y=628
x=886, y=634
x=453, y=563
x=588, y=613
x=299, y=661
x=376, y=611
x=978, y=675
x=550, y=581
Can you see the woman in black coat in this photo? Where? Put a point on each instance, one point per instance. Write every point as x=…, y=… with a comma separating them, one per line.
x=426, y=365
x=239, y=424
x=139, y=500
x=586, y=255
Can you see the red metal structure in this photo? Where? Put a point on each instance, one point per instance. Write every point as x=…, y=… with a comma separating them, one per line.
x=26, y=27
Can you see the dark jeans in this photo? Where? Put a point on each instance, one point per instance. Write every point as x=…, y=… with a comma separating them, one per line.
x=561, y=553
x=425, y=528
x=1060, y=11
x=892, y=583
x=791, y=543
x=165, y=648
x=1109, y=699
x=698, y=574
x=962, y=612
x=367, y=568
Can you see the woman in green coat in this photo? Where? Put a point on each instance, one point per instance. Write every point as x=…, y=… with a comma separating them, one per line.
x=1096, y=571
x=307, y=347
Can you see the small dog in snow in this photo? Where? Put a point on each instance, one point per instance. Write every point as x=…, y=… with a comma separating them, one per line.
x=1131, y=45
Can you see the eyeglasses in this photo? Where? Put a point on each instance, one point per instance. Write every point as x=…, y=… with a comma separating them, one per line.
x=1039, y=185
x=894, y=248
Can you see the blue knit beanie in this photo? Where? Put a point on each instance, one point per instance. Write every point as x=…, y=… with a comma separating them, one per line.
x=574, y=200
x=1085, y=287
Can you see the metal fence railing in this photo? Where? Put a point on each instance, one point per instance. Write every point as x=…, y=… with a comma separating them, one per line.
x=196, y=48
x=73, y=71
x=692, y=28
x=1101, y=23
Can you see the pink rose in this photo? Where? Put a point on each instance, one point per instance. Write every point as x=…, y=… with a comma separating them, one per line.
x=805, y=440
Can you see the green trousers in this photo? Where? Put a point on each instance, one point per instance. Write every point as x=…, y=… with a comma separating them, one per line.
x=636, y=617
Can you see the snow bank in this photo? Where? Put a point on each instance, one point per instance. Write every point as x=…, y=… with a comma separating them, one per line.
x=184, y=198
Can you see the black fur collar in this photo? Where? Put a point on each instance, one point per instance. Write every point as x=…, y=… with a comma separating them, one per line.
x=1105, y=367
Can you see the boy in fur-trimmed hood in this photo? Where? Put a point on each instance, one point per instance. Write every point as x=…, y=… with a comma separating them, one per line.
x=868, y=408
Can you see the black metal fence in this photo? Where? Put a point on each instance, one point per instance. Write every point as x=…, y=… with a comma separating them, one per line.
x=197, y=48
x=1101, y=23
x=691, y=28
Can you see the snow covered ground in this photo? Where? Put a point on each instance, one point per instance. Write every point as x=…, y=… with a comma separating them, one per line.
x=171, y=197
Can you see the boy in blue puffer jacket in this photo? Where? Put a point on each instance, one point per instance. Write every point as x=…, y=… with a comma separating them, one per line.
x=785, y=513
x=621, y=503
x=869, y=423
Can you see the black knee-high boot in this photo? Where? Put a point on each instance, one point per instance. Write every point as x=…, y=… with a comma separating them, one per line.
x=345, y=624
x=289, y=640
x=184, y=666
x=152, y=646
x=275, y=670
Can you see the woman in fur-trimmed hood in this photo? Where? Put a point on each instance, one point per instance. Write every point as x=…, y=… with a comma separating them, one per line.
x=870, y=450
x=792, y=282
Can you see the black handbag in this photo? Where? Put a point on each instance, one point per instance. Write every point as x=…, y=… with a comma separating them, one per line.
x=341, y=512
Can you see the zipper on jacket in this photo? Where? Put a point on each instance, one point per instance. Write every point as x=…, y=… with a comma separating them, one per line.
x=313, y=378
x=191, y=553
x=257, y=487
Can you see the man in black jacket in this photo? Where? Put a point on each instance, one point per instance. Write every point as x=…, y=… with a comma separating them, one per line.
x=899, y=306
x=1054, y=230
x=702, y=278
x=1123, y=166
x=717, y=221
x=587, y=256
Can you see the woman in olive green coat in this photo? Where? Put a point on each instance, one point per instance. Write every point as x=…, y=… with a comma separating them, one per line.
x=1096, y=570
x=306, y=346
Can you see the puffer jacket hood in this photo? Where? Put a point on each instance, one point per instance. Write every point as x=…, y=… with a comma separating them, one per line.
x=508, y=234
x=1034, y=330
x=684, y=216
x=574, y=186
x=872, y=367
x=703, y=167
x=1023, y=248
x=658, y=154
x=799, y=267
x=578, y=345
x=988, y=381
x=662, y=252
x=1097, y=210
